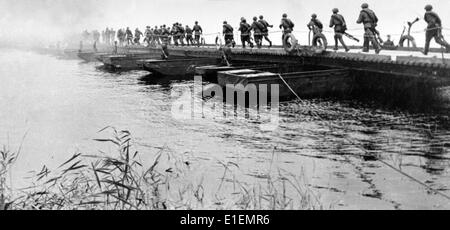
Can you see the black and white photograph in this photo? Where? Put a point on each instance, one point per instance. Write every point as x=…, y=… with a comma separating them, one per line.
x=224, y=105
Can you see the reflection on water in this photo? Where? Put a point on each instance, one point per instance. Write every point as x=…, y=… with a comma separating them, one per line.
x=61, y=105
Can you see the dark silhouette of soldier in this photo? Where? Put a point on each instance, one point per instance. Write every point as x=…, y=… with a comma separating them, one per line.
x=287, y=25
x=198, y=31
x=245, y=29
x=434, y=30
x=257, y=28
x=228, y=33
x=265, y=31
x=129, y=36
x=137, y=36
x=369, y=19
x=340, y=26
x=189, y=38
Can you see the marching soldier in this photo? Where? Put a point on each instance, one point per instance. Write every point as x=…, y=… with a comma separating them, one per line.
x=287, y=25
x=315, y=25
x=181, y=33
x=265, y=31
x=129, y=36
x=198, y=31
x=137, y=36
x=148, y=36
x=157, y=36
x=228, y=33
x=245, y=29
x=257, y=28
x=434, y=30
x=174, y=33
x=338, y=22
x=189, y=38
x=369, y=19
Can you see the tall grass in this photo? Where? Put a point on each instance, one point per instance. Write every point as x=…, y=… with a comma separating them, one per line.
x=123, y=181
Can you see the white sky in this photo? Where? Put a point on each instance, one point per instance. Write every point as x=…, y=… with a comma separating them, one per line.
x=25, y=19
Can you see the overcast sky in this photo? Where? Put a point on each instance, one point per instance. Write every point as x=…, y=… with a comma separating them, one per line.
x=52, y=18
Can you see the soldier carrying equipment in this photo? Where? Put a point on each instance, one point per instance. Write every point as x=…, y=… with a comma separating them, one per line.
x=257, y=28
x=340, y=26
x=265, y=31
x=288, y=26
x=245, y=29
x=434, y=30
x=228, y=33
x=369, y=19
x=316, y=27
x=198, y=31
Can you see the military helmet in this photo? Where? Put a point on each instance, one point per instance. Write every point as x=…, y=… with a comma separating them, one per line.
x=285, y=15
x=428, y=7
x=255, y=18
x=365, y=5
x=242, y=19
x=335, y=10
x=196, y=22
x=261, y=17
x=314, y=15
x=225, y=22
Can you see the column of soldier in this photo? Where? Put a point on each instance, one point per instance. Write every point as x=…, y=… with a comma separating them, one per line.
x=260, y=30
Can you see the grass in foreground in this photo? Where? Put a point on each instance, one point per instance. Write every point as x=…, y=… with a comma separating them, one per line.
x=122, y=181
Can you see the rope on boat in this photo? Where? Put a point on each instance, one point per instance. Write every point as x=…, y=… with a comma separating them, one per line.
x=377, y=158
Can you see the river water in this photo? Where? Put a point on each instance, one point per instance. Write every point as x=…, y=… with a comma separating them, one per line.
x=56, y=107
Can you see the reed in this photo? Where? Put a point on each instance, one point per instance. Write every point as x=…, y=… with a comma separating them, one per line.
x=122, y=181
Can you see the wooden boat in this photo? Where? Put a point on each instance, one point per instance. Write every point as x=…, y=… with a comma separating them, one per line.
x=319, y=82
x=91, y=56
x=182, y=67
x=209, y=72
x=130, y=61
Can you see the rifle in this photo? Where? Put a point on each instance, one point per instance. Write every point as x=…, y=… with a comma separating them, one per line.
x=350, y=36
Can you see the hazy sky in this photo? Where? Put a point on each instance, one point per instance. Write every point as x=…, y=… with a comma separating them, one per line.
x=27, y=19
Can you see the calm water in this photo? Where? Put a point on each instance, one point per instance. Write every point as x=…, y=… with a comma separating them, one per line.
x=58, y=106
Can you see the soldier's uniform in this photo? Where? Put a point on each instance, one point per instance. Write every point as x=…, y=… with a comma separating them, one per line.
x=370, y=20
x=148, y=36
x=137, y=36
x=174, y=33
x=189, y=38
x=340, y=26
x=257, y=28
x=181, y=34
x=265, y=31
x=157, y=37
x=129, y=36
x=245, y=29
x=287, y=25
x=434, y=30
x=315, y=25
x=228, y=33
x=197, y=32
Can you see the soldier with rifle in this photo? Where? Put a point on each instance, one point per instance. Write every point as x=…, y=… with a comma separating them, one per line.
x=369, y=19
x=265, y=31
x=228, y=33
x=245, y=29
x=434, y=30
x=340, y=26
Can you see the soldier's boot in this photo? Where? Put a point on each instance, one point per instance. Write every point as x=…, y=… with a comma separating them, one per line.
x=366, y=45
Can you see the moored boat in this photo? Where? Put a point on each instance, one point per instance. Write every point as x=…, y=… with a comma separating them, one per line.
x=183, y=67
x=308, y=83
x=130, y=61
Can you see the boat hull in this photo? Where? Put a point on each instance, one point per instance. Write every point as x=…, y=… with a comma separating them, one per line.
x=179, y=67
